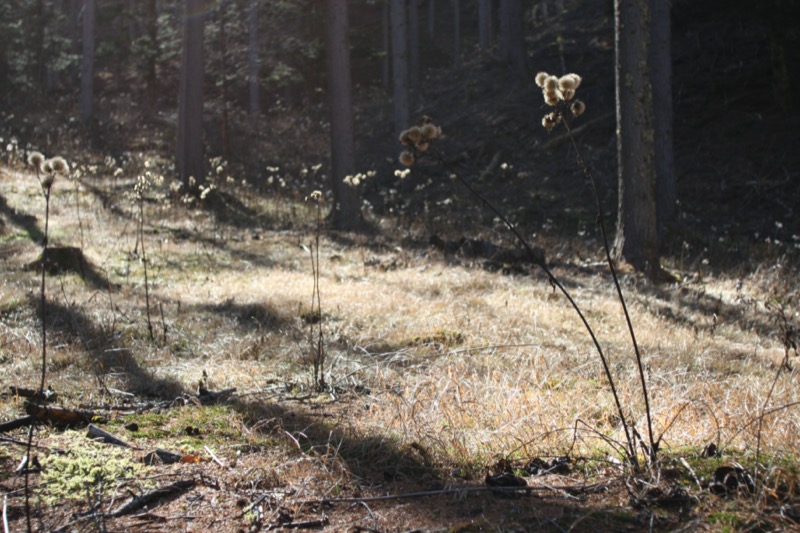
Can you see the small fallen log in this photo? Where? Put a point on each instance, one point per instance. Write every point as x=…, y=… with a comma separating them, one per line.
x=61, y=416
x=16, y=423
x=161, y=457
x=101, y=435
x=48, y=395
x=137, y=502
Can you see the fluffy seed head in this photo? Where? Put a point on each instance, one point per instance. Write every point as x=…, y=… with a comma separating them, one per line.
x=540, y=78
x=422, y=147
x=551, y=97
x=567, y=94
x=407, y=158
x=567, y=82
x=550, y=120
x=430, y=132
x=414, y=134
x=577, y=108
x=550, y=83
x=47, y=166
x=60, y=165
x=35, y=159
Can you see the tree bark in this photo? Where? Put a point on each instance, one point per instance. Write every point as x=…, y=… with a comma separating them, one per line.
x=661, y=81
x=637, y=236
x=87, y=62
x=512, y=35
x=345, y=213
x=456, y=32
x=253, y=63
x=151, y=80
x=400, y=65
x=189, y=156
x=485, y=24
x=413, y=44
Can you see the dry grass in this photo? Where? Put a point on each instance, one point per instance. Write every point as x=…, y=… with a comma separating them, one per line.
x=467, y=365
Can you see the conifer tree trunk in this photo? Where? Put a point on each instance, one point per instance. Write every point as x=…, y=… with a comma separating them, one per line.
x=661, y=81
x=485, y=24
x=253, y=63
x=87, y=62
x=189, y=156
x=151, y=23
x=636, y=239
x=400, y=64
x=345, y=213
x=456, y=32
x=413, y=44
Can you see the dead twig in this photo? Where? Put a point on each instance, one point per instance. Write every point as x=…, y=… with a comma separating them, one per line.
x=147, y=498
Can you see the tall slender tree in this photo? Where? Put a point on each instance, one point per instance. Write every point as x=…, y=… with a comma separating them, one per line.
x=87, y=62
x=253, y=62
x=484, y=24
x=189, y=153
x=345, y=212
x=636, y=238
x=402, y=111
x=661, y=81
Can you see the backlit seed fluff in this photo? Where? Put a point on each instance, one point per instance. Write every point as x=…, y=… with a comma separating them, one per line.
x=540, y=78
x=567, y=94
x=422, y=147
x=577, y=79
x=35, y=159
x=407, y=158
x=429, y=132
x=47, y=180
x=550, y=83
x=567, y=82
x=577, y=108
x=551, y=97
x=47, y=166
x=60, y=166
x=414, y=134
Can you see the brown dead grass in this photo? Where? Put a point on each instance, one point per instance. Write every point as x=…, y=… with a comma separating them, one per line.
x=455, y=367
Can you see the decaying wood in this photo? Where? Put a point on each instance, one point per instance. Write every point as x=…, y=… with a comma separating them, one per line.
x=60, y=416
x=101, y=435
x=45, y=396
x=158, y=457
x=136, y=503
x=16, y=423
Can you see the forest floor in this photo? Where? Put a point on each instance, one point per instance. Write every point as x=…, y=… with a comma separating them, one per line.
x=451, y=365
x=439, y=372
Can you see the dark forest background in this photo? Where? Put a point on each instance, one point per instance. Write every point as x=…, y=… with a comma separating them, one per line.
x=735, y=77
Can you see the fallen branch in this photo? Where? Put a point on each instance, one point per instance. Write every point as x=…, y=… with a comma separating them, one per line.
x=101, y=435
x=576, y=489
x=60, y=416
x=147, y=498
x=44, y=396
x=16, y=423
x=214, y=457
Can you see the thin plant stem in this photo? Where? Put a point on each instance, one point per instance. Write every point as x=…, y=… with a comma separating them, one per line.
x=318, y=344
x=556, y=283
x=601, y=222
x=43, y=289
x=144, y=262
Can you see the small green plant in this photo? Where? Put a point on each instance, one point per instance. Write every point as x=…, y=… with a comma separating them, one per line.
x=86, y=473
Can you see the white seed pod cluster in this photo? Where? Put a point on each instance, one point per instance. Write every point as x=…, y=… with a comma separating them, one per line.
x=418, y=139
x=560, y=93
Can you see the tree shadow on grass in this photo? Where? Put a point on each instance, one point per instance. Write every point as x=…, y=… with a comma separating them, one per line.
x=105, y=354
x=23, y=220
